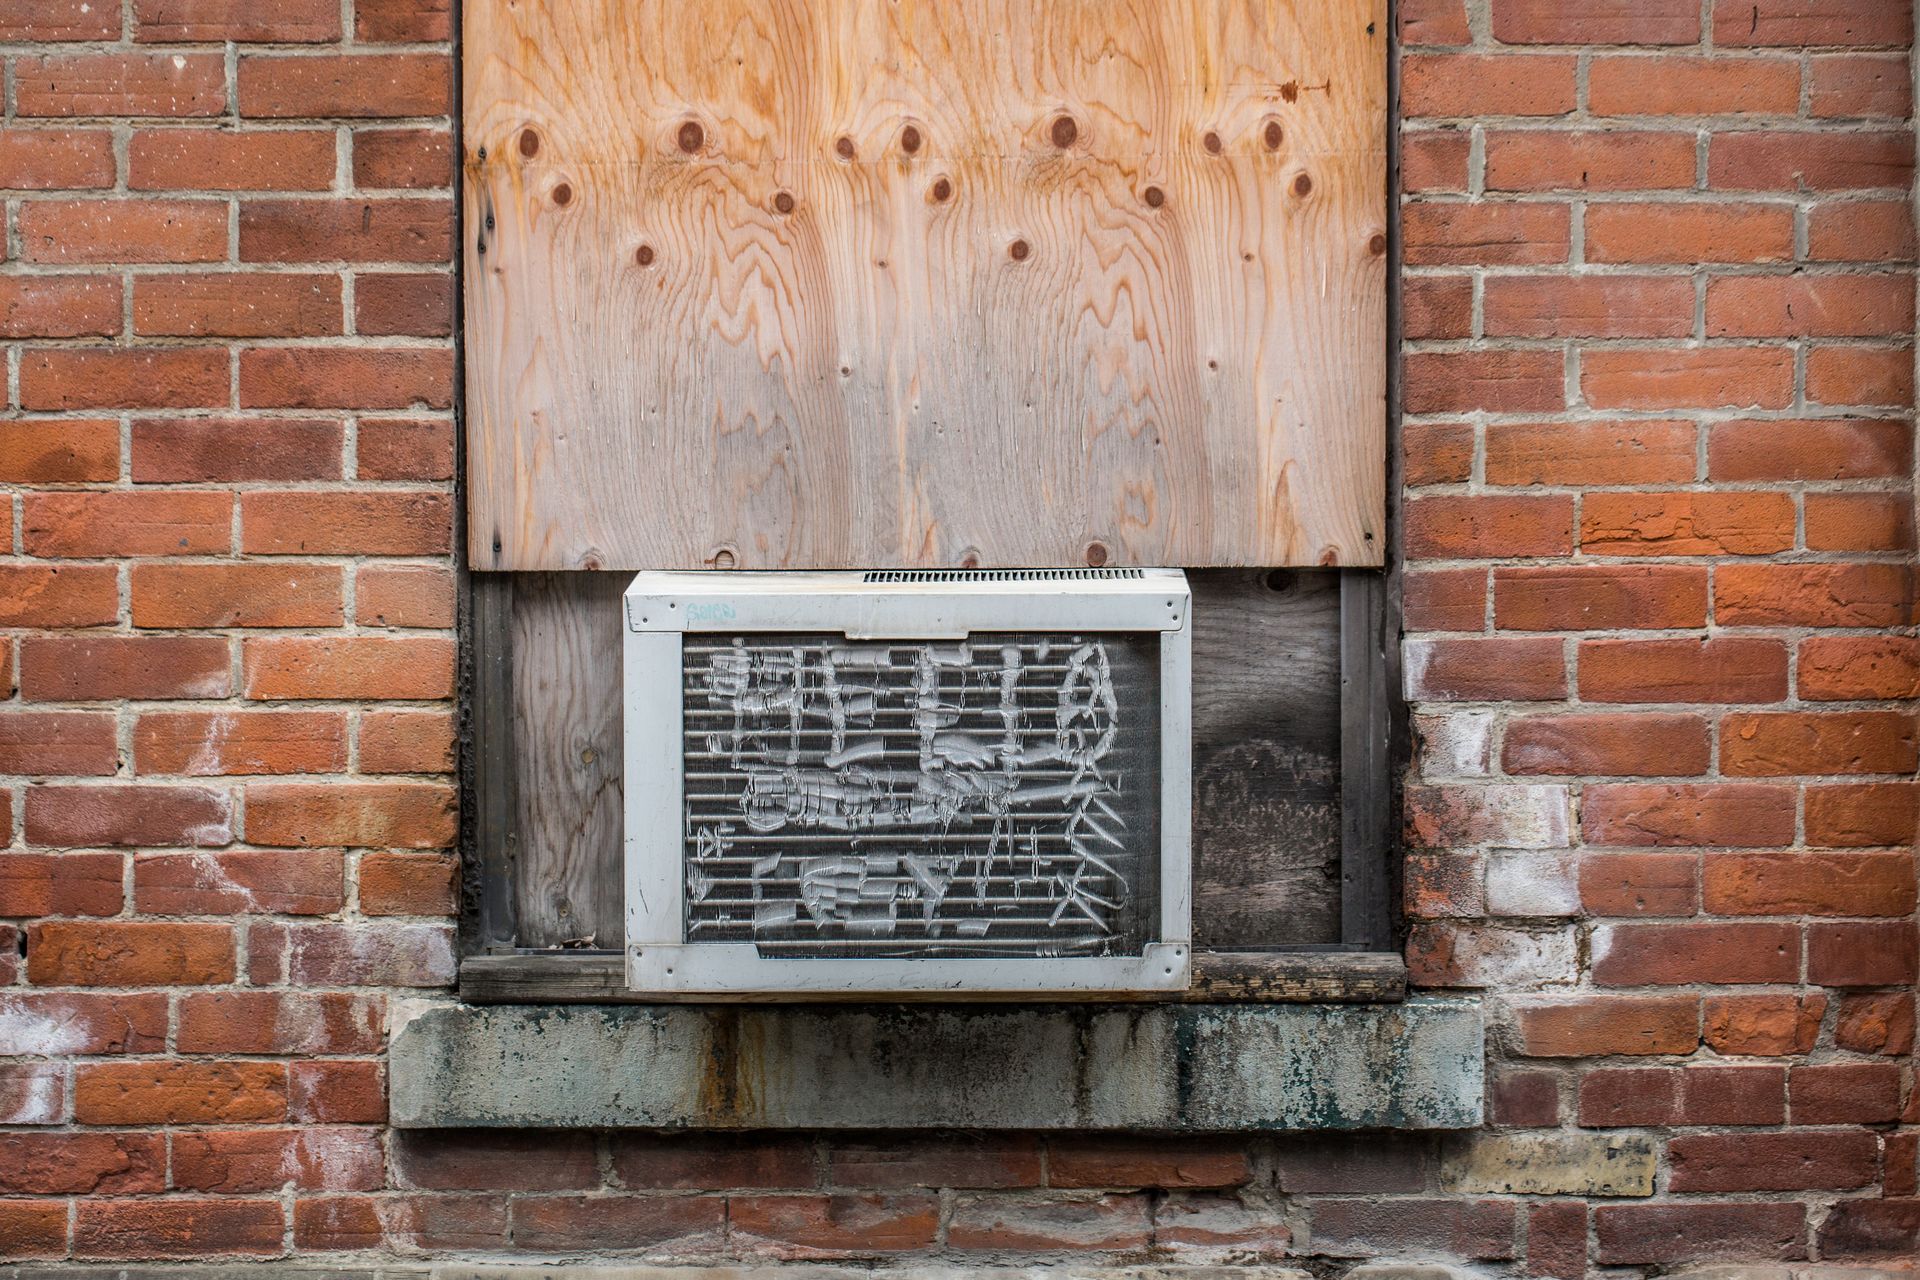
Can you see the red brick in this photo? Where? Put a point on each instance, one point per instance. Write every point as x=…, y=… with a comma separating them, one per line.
x=227, y=160
x=176, y=1228
x=402, y=21
x=1719, y=670
x=120, y=84
x=346, y=231
x=1861, y=231
x=1637, y=955
x=359, y=378
x=275, y=594
x=126, y=523
x=1441, y=528
x=406, y=815
x=1494, y=381
x=1693, y=1231
x=1472, y=235
x=1771, y=1161
x=1876, y=954
x=61, y=884
x=408, y=884
x=495, y=1160
x=1685, y=233
x=1588, y=306
x=1614, y=1097
x=1825, y=306
x=1886, y=1228
x=1845, y=1093
x=1848, y=85
x=106, y=668
x=1858, y=521
x=674, y=1224
x=392, y=523
x=403, y=596
x=1860, y=814
x=59, y=307
x=1639, y=884
x=1599, y=597
x=801, y=1226
x=55, y=159
x=1510, y=815
x=1589, y=452
x=406, y=742
x=353, y=86
x=402, y=159
x=33, y=1229
x=1816, y=449
x=1556, y=1238
x=170, y=378
x=1733, y=1095
x=219, y=450
x=338, y=1092
x=1614, y=22
x=1128, y=1162
x=1444, y=600
x=1437, y=453
x=703, y=1161
x=125, y=953
x=388, y=955
x=1488, y=669
x=164, y=1092
x=82, y=1163
x=1440, y=22
x=1462, y=1227
x=212, y=743
x=1875, y=1024
x=1763, y=1025
x=1539, y=160
x=254, y=1160
x=1791, y=23
x=1109, y=1222
x=1486, y=84
x=1813, y=595
x=1644, y=745
x=1746, y=815
x=1444, y=886
x=53, y=743
x=123, y=231
x=414, y=305
x=33, y=595
x=1681, y=523
x=1786, y=743
x=1804, y=160
x=348, y=667
x=237, y=882
x=240, y=305
x=414, y=1222
x=1688, y=85
x=210, y=21
x=1860, y=376
x=404, y=449
x=1434, y=161
x=33, y=21
x=82, y=1023
x=1844, y=668
x=1694, y=377
x=1530, y=1099
x=294, y=1022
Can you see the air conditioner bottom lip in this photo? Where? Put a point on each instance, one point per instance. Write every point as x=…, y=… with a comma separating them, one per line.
x=739, y=969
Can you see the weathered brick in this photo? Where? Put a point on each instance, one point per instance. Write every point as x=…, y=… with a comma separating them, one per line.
x=1637, y=955
x=212, y=743
x=1845, y=1093
x=60, y=451
x=82, y=1163
x=411, y=815
x=238, y=882
x=293, y=1022
x=120, y=84
x=1486, y=669
x=200, y=21
x=69, y=817
x=1690, y=85
x=1725, y=669
x=56, y=1025
x=163, y=378
x=348, y=667
x=176, y=1228
x=1114, y=1221
x=1771, y=1161
x=276, y=594
x=320, y=230
x=254, y=1160
x=403, y=596
x=1697, y=1231
x=408, y=884
x=402, y=159
x=217, y=450
x=1639, y=884
x=354, y=86
x=1781, y=744
x=401, y=523
x=43, y=159
x=125, y=953
x=61, y=884
x=237, y=305
x=106, y=668
x=1763, y=1025
x=230, y=160
x=1738, y=814
x=1620, y=745
x=833, y=1225
x=162, y=1092
x=702, y=1161
x=405, y=742
x=1825, y=884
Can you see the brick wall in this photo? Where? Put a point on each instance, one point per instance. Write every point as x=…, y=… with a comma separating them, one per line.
x=1659, y=311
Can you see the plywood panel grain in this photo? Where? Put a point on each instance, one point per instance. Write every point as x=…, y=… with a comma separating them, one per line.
x=859, y=283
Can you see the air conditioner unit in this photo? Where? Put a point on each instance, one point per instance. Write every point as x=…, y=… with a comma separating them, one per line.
x=908, y=782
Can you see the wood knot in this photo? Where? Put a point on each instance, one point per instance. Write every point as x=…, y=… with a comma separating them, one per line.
x=529, y=143
x=644, y=255
x=1096, y=554
x=971, y=560
x=1302, y=185
x=563, y=195
x=844, y=148
x=723, y=558
x=910, y=139
x=1063, y=132
x=1273, y=135
x=1211, y=141
x=1154, y=197
x=691, y=136
x=783, y=201
x=942, y=190
x=1019, y=250
x=1377, y=244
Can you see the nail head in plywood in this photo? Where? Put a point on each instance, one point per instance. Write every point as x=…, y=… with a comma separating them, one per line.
x=811, y=362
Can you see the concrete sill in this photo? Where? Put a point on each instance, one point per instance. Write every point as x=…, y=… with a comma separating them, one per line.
x=1170, y=1067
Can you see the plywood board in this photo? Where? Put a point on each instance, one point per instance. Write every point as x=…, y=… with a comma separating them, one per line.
x=1266, y=752
x=882, y=283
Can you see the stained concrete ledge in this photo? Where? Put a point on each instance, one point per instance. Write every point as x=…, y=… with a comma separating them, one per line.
x=1193, y=1067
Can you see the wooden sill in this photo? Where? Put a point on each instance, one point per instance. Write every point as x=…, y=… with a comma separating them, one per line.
x=1255, y=977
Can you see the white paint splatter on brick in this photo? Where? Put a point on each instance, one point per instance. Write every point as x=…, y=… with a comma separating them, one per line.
x=26, y=1033
x=1532, y=884
x=1456, y=746
x=33, y=1093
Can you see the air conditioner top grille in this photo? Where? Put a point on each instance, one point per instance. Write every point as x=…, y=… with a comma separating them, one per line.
x=996, y=797
x=998, y=575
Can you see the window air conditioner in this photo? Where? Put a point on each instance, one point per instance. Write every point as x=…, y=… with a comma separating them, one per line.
x=908, y=782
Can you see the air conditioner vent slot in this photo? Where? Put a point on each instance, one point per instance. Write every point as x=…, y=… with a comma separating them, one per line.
x=998, y=575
